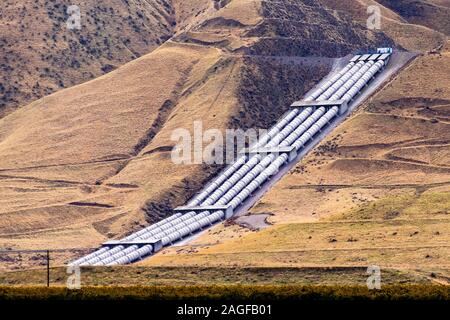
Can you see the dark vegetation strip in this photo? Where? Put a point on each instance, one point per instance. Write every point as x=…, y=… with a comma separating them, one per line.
x=231, y=292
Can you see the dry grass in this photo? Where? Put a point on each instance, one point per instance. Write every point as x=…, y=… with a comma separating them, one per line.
x=50, y=57
x=187, y=276
x=418, y=34
x=397, y=243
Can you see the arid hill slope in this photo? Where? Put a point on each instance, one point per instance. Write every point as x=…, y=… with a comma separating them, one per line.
x=40, y=55
x=93, y=161
x=432, y=14
x=420, y=32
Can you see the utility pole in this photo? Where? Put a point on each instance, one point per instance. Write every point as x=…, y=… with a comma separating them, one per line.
x=48, y=268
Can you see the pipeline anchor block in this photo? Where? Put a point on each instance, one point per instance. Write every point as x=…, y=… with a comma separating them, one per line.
x=198, y=209
x=155, y=243
x=328, y=104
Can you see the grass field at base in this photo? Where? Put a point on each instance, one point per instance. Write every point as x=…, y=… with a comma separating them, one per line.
x=210, y=276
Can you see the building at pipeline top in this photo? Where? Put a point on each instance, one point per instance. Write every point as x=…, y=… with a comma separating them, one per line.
x=279, y=147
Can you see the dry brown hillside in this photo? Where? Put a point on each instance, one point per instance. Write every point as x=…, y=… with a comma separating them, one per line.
x=432, y=14
x=421, y=31
x=39, y=55
x=92, y=161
